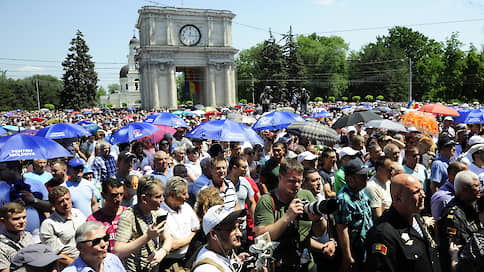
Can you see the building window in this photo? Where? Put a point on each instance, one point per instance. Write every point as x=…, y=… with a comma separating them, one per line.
x=126, y=86
x=136, y=85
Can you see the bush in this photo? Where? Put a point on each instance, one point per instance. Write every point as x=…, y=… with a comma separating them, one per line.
x=332, y=99
x=49, y=106
x=369, y=98
x=188, y=102
x=124, y=104
x=380, y=97
x=356, y=98
x=243, y=101
x=318, y=99
x=344, y=98
x=109, y=105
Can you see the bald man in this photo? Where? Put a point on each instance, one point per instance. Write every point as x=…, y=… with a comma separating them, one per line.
x=400, y=241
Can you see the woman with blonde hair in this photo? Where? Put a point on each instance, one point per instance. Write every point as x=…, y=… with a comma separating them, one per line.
x=206, y=199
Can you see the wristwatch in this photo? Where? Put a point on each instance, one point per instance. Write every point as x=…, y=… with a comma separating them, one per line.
x=334, y=241
x=35, y=200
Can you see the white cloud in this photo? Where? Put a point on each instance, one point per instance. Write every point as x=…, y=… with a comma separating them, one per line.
x=32, y=69
x=326, y=2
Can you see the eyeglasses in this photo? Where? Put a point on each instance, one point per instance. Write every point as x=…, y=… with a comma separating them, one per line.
x=96, y=241
x=295, y=180
x=416, y=155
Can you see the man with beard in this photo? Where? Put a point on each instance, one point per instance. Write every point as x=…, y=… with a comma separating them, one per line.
x=93, y=243
x=401, y=240
x=59, y=174
x=108, y=215
x=460, y=218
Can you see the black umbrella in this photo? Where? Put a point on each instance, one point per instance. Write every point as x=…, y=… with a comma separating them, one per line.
x=356, y=117
x=315, y=130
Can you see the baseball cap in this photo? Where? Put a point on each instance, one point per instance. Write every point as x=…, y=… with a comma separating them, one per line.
x=476, y=139
x=220, y=215
x=36, y=255
x=75, y=163
x=351, y=129
x=448, y=118
x=125, y=155
x=347, y=151
x=356, y=167
x=306, y=156
x=164, y=141
x=445, y=140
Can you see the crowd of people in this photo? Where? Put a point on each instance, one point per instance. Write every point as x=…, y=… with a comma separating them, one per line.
x=379, y=200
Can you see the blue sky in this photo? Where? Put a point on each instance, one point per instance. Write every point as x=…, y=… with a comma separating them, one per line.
x=34, y=30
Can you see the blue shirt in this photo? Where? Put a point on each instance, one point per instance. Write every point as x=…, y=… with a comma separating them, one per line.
x=441, y=198
x=438, y=171
x=164, y=178
x=44, y=177
x=104, y=167
x=111, y=263
x=81, y=195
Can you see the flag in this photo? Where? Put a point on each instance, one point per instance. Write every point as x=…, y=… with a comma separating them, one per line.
x=191, y=86
x=412, y=105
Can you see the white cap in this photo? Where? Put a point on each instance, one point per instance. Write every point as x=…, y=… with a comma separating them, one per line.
x=476, y=139
x=347, y=151
x=351, y=128
x=448, y=118
x=306, y=156
x=220, y=215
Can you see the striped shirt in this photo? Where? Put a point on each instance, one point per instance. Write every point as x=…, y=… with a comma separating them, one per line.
x=229, y=195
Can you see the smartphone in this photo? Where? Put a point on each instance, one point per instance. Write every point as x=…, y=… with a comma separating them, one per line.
x=161, y=218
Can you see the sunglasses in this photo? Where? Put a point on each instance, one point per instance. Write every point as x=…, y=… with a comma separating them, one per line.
x=96, y=241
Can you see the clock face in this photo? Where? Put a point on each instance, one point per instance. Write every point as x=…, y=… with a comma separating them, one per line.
x=190, y=35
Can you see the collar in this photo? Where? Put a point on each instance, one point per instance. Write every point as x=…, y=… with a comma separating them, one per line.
x=61, y=217
x=14, y=236
x=444, y=159
x=350, y=192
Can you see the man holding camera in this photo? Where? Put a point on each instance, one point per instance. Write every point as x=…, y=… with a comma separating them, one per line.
x=280, y=213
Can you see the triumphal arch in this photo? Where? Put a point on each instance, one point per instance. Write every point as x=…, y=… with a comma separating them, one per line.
x=197, y=42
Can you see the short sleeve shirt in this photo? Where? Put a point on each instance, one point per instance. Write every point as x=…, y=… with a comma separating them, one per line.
x=128, y=231
x=438, y=171
x=10, y=245
x=244, y=191
x=110, y=222
x=378, y=193
x=354, y=211
x=81, y=195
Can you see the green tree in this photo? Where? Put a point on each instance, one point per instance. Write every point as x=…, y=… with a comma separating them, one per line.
x=100, y=92
x=380, y=97
x=272, y=66
x=80, y=79
x=473, y=82
x=454, y=67
x=114, y=88
x=325, y=65
x=248, y=75
x=294, y=69
x=369, y=98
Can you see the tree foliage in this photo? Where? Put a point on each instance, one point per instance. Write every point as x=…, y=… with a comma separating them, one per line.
x=80, y=79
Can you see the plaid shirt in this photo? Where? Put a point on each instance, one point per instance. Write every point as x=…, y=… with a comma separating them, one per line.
x=104, y=167
x=355, y=212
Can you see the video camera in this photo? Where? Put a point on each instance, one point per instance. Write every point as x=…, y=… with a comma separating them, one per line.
x=261, y=252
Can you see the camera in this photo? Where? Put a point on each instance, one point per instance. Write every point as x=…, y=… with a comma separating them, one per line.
x=161, y=218
x=320, y=207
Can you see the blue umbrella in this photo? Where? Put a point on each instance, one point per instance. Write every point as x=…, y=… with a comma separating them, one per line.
x=321, y=114
x=462, y=116
x=3, y=131
x=84, y=122
x=91, y=127
x=225, y=130
x=166, y=119
x=133, y=132
x=131, y=108
x=62, y=130
x=475, y=117
x=69, y=110
x=28, y=147
x=276, y=120
x=13, y=128
x=19, y=110
x=346, y=107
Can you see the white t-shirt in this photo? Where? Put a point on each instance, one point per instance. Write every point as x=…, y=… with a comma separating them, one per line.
x=378, y=193
x=180, y=224
x=219, y=259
